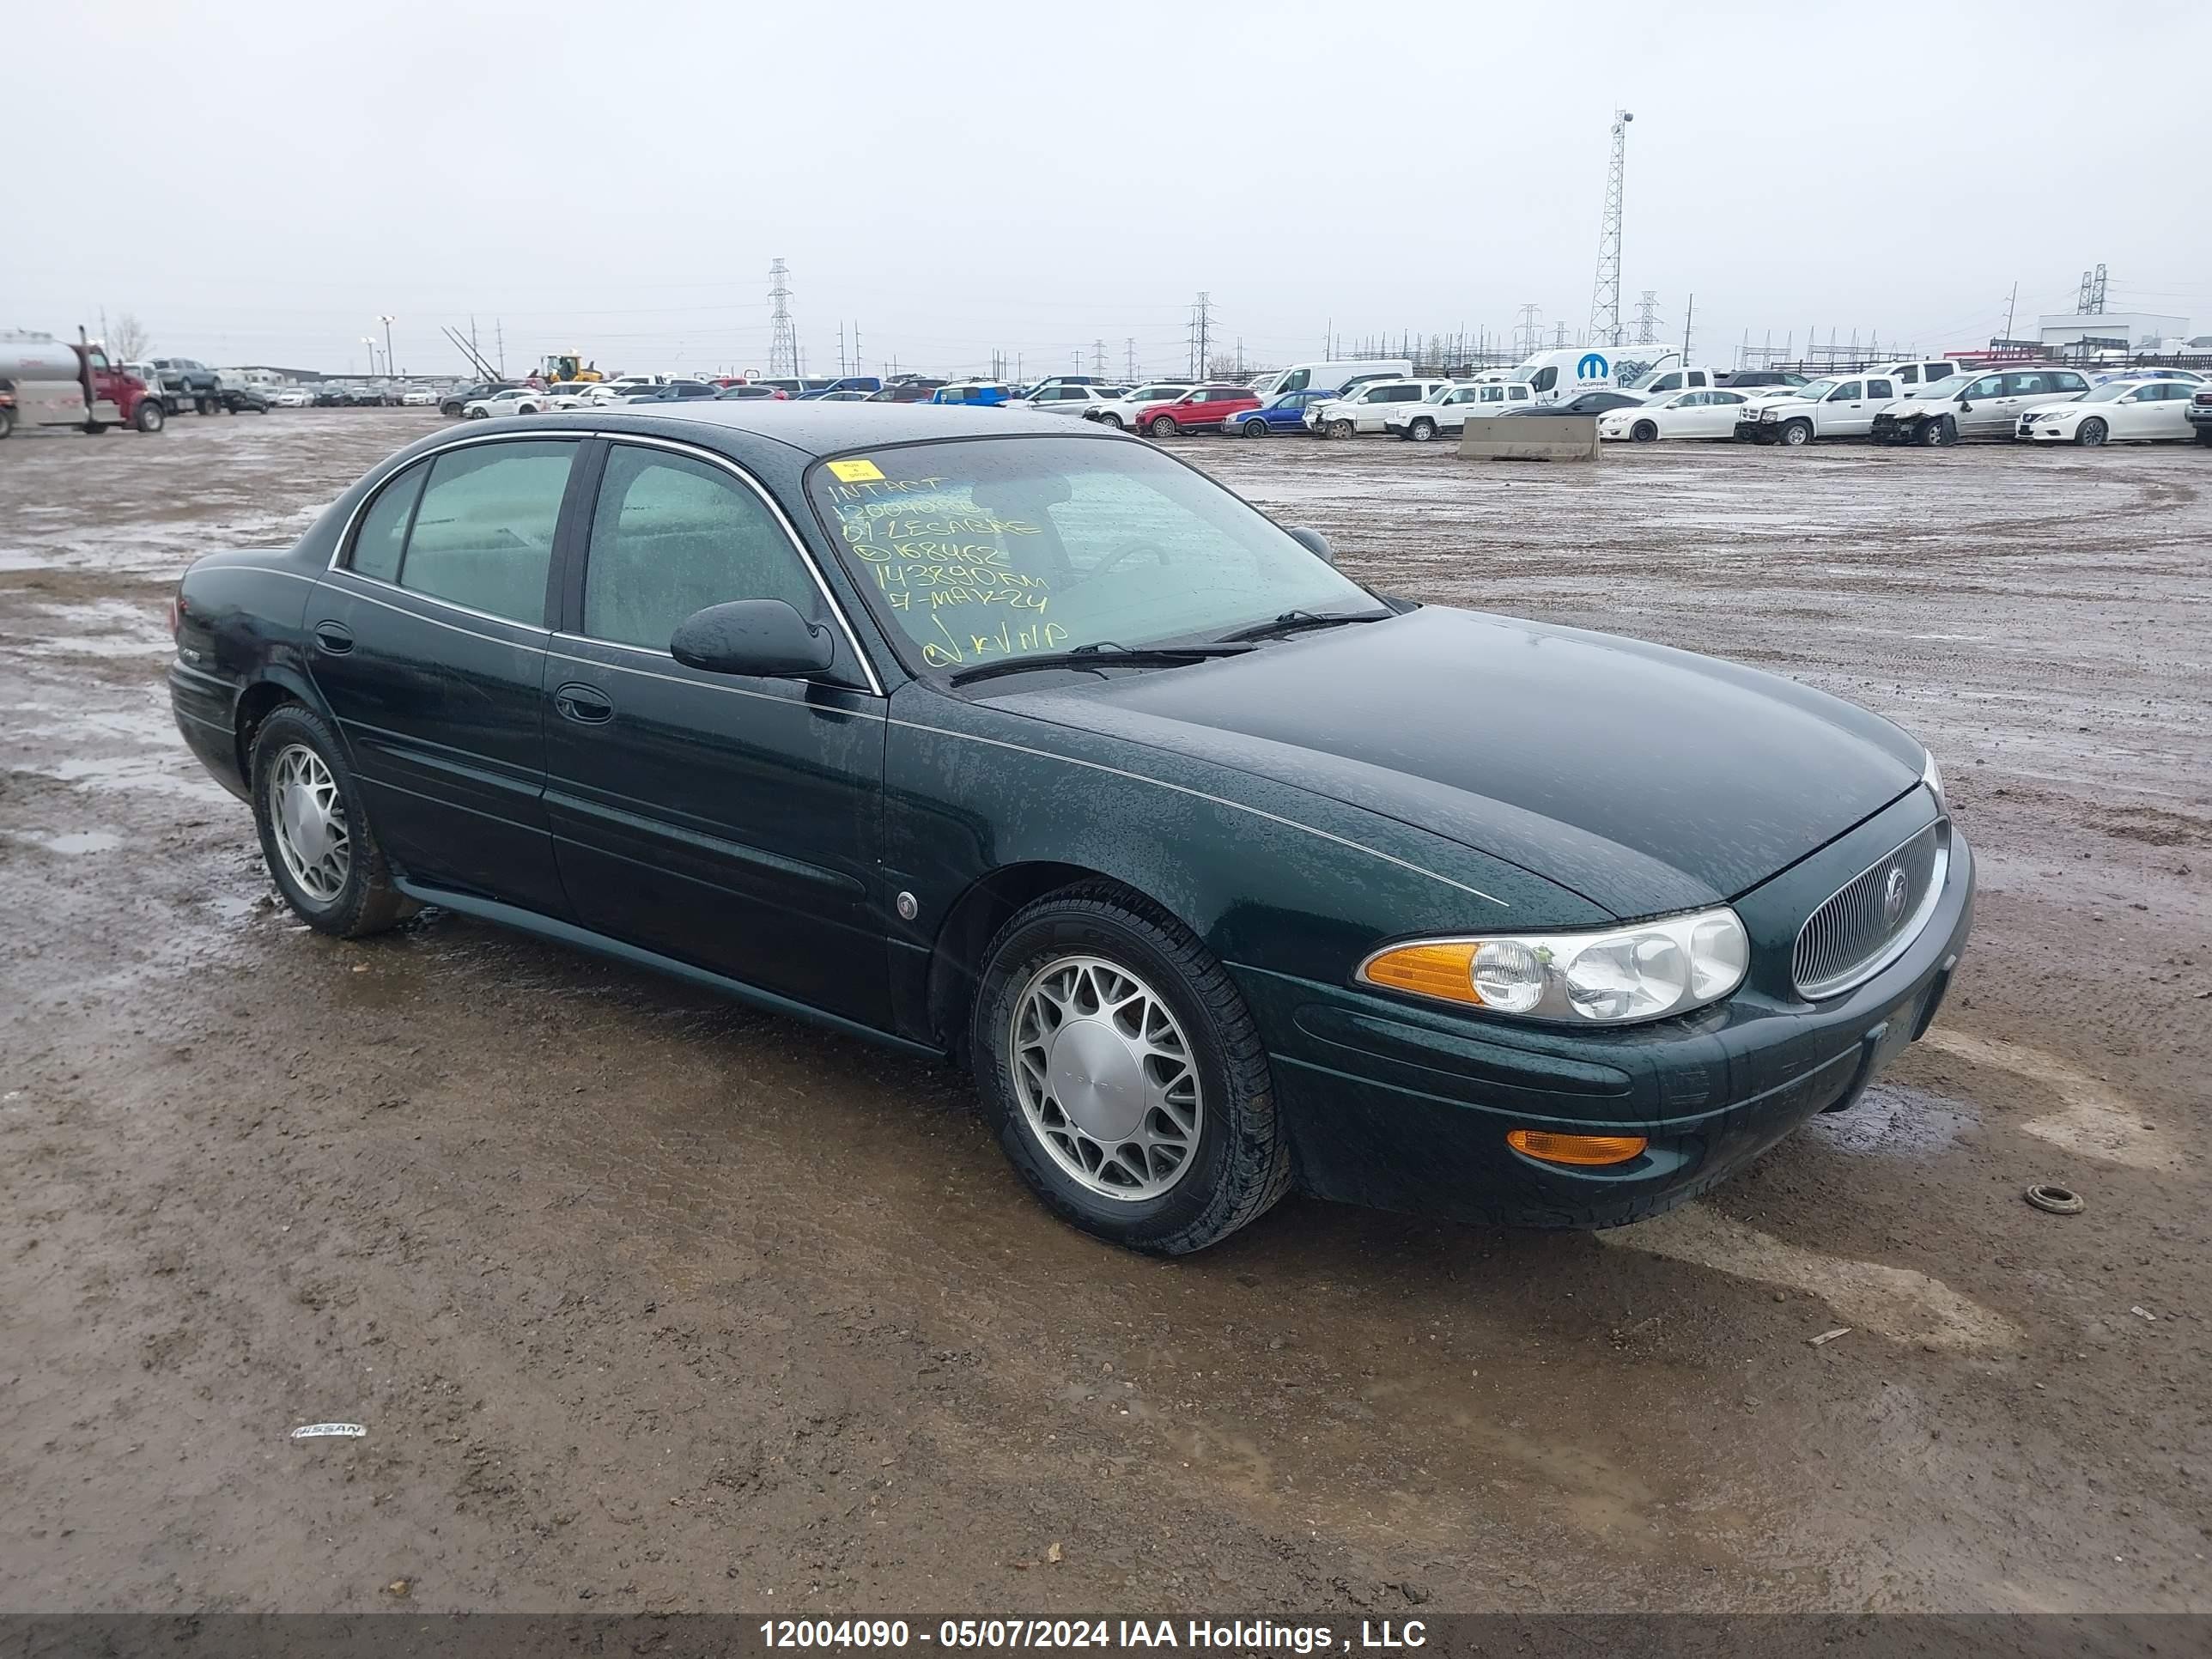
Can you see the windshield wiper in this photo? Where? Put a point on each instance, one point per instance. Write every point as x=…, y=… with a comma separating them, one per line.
x=1098, y=656
x=1292, y=622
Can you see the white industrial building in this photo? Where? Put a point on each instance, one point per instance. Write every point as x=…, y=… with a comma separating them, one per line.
x=2132, y=329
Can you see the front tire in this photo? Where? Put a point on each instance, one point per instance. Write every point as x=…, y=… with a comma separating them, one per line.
x=149, y=416
x=1796, y=433
x=1939, y=432
x=1644, y=432
x=1124, y=1075
x=2091, y=432
x=1421, y=430
x=1341, y=429
x=1162, y=426
x=1255, y=428
x=315, y=831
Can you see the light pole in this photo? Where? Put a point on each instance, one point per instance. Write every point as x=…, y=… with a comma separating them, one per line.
x=371, y=345
x=387, y=322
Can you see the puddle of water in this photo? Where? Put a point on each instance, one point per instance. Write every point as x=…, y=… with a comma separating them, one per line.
x=1892, y=1120
x=72, y=842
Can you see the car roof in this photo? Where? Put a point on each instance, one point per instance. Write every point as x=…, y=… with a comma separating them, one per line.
x=815, y=428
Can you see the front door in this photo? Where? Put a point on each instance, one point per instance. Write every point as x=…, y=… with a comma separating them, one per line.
x=427, y=640
x=729, y=822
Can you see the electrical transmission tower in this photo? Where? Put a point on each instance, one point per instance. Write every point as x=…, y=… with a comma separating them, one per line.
x=1605, y=292
x=1531, y=331
x=1201, y=325
x=783, y=339
x=1647, y=317
x=1129, y=358
x=1098, y=358
x=2093, y=292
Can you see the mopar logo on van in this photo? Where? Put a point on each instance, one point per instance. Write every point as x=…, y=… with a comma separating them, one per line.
x=1592, y=368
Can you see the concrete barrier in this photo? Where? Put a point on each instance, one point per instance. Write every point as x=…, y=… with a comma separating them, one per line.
x=1529, y=438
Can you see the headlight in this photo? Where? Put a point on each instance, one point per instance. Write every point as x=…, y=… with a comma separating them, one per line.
x=1932, y=775
x=1769, y=414
x=1646, y=971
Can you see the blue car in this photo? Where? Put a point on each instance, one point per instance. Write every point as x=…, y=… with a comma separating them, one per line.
x=1283, y=412
x=986, y=395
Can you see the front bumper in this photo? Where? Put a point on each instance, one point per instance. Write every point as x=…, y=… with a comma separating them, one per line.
x=2044, y=431
x=1406, y=1107
x=1758, y=431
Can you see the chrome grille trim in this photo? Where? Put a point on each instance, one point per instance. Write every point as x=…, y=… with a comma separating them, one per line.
x=1845, y=942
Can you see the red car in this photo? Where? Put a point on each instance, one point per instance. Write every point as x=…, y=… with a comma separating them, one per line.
x=1201, y=409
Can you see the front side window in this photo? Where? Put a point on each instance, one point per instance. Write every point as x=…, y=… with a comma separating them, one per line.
x=975, y=551
x=483, y=530
x=1986, y=387
x=1847, y=393
x=1909, y=375
x=1544, y=379
x=1298, y=379
x=671, y=536
x=381, y=535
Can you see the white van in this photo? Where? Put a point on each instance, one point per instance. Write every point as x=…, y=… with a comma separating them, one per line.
x=1331, y=377
x=1572, y=370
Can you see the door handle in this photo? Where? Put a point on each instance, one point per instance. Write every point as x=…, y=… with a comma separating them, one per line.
x=336, y=638
x=585, y=703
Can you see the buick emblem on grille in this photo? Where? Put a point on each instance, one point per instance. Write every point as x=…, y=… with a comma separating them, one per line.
x=1894, y=892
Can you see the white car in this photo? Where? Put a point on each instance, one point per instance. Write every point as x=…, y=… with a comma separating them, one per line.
x=417, y=397
x=1065, y=399
x=605, y=393
x=1365, y=407
x=1123, y=411
x=571, y=394
x=2118, y=411
x=1446, y=409
x=289, y=396
x=1710, y=413
x=515, y=400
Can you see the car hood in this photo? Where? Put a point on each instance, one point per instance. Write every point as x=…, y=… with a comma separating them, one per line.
x=1645, y=779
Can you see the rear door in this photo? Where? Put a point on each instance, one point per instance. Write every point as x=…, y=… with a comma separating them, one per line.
x=427, y=640
x=726, y=821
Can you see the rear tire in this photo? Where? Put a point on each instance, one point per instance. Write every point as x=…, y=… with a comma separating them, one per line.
x=1796, y=433
x=203, y=406
x=1644, y=432
x=1200, y=1046
x=2092, y=433
x=364, y=901
x=93, y=429
x=2203, y=435
x=8, y=422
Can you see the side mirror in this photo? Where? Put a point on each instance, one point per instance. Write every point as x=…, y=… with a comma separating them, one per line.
x=765, y=638
x=1314, y=543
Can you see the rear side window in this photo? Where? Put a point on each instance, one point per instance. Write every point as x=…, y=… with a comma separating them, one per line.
x=671, y=536
x=483, y=530
x=381, y=535
x=1936, y=371
x=1880, y=389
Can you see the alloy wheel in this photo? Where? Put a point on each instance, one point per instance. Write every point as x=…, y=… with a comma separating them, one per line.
x=1106, y=1078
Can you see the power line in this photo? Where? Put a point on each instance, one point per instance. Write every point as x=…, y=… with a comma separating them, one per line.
x=1605, y=292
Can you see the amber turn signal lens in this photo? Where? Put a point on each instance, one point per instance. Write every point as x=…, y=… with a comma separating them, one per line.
x=1576, y=1149
x=1430, y=970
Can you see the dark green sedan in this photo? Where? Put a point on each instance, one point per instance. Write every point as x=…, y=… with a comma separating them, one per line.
x=1038, y=750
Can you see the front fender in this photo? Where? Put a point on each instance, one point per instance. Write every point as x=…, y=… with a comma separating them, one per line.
x=1264, y=873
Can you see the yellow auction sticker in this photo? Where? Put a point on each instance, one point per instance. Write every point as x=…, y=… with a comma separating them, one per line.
x=855, y=471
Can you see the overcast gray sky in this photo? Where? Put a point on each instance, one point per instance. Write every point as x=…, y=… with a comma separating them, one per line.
x=258, y=181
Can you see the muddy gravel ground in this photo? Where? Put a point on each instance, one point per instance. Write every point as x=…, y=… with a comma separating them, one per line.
x=651, y=1302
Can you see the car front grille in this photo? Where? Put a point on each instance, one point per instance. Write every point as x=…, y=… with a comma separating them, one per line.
x=1865, y=924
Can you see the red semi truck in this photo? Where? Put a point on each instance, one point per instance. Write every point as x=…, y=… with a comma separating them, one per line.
x=49, y=382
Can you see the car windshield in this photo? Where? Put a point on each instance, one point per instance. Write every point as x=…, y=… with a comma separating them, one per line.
x=1814, y=389
x=977, y=550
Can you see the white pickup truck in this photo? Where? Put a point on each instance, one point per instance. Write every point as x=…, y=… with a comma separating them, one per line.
x=1446, y=409
x=1836, y=406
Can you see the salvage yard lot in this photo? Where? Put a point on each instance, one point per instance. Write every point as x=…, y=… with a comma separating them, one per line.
x=647, y=1301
